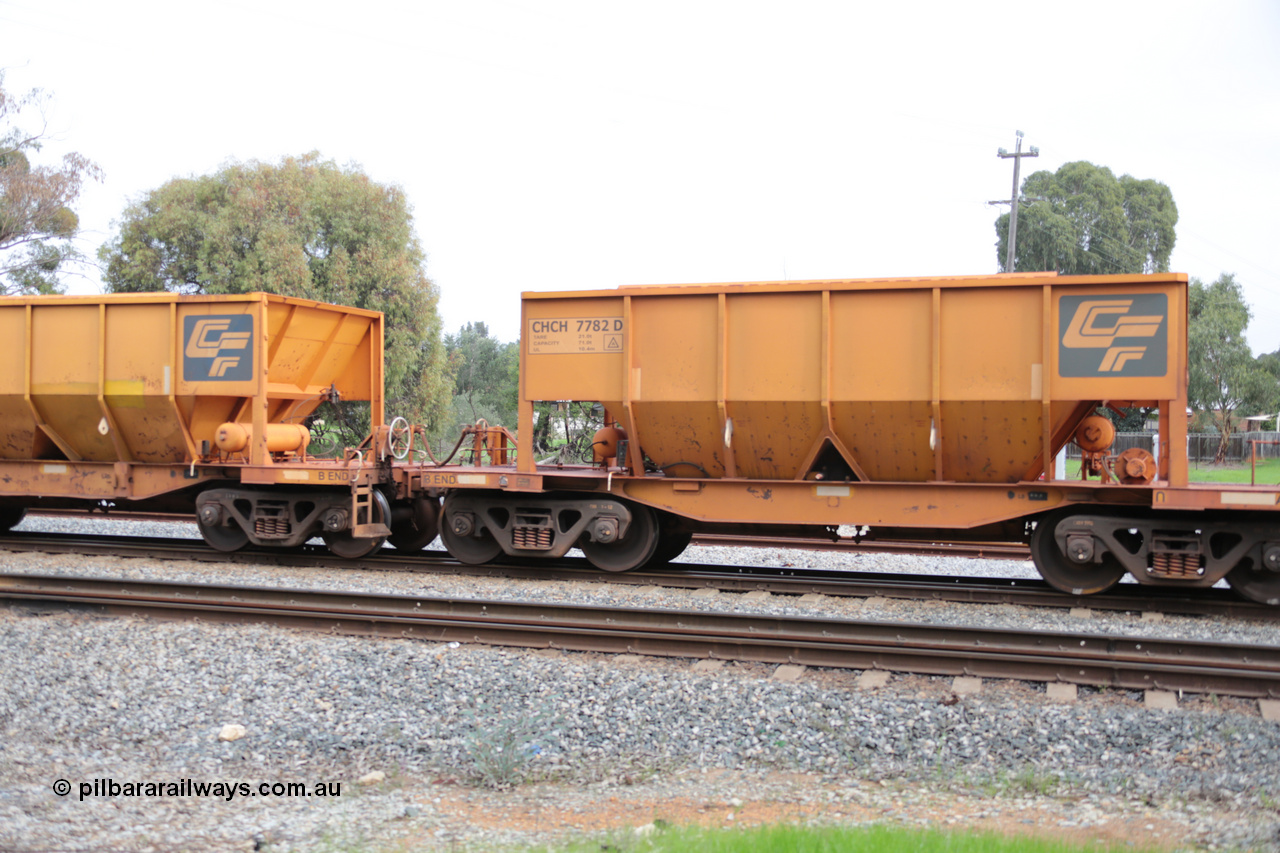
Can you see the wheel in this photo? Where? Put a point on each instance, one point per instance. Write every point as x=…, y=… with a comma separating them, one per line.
x=400, y=438
x=472, y=550
x=1255, y=584
x=626, y=554
x=344, y=545
x=674, y=535
x=473, y=547
x=10, y=516
x=223, y=537
x=413, y=528
x=1060, y=572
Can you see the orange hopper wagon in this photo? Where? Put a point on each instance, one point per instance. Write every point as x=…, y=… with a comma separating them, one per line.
x=930, y=409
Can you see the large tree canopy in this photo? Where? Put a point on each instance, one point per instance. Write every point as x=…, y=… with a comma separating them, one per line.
x=486, y=376
x=36, y=219
x=1225, y=377
x=1081, y=220
x=303, y=228
x=1270, y=362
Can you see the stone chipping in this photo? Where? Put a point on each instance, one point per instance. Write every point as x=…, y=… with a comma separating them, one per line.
x=446, y=746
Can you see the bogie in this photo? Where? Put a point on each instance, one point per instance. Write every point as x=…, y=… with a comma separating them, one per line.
x=615, y=535
x=1085, y=551
x=231, y=518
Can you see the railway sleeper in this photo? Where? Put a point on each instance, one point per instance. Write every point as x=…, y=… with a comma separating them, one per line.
x=1082, y=552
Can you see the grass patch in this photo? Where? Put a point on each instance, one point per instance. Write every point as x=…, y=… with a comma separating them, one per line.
x=1027, y=780
x=1267, y=472
x=811, y=839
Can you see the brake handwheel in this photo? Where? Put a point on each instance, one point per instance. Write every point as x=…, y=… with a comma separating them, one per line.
x=399, y=438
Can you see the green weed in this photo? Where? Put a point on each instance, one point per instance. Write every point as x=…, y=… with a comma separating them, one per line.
x=501, y=747
x=819, y=839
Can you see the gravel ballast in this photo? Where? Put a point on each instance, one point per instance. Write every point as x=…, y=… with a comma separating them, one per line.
x=447, y=746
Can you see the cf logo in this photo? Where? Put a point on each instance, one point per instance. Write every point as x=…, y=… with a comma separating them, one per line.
x=1097, y=323
x=210, y=337
x=218, y=347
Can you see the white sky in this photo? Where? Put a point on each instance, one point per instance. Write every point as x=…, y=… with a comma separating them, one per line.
x=568, y=145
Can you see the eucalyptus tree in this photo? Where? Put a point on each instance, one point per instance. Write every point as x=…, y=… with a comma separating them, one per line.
x=37, y=222
x=1082, y=220
x=304, y=227
x=1225, y=378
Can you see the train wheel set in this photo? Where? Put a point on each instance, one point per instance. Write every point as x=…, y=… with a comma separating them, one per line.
x=1085, y=552
x=930, y=410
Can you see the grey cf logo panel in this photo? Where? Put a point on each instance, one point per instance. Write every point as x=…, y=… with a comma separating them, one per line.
x=1121, y=335
x=217, y=348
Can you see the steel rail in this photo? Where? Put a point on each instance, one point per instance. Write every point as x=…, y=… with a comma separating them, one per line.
x=968, y=550
x=1029, y=592
x=976, y=550
x=1085, y=659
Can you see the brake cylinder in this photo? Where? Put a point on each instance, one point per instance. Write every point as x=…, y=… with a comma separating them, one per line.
x=234, y=437
x=1095, y=434
x=604, y=444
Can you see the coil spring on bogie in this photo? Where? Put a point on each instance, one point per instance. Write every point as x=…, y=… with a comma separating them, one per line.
x=531, y=538
x=268, y=527
x=1170, y=565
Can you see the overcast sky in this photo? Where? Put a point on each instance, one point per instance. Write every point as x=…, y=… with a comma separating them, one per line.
x=569, y=145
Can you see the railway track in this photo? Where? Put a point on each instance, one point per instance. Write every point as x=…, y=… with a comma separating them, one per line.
x=784, y=581
x=1082, y=659
x=973, y=550
x=982, y=550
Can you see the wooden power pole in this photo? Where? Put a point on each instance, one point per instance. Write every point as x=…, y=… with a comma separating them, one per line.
x=1017, y=156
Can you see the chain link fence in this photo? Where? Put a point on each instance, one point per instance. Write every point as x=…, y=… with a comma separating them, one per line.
x=1203, y=446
